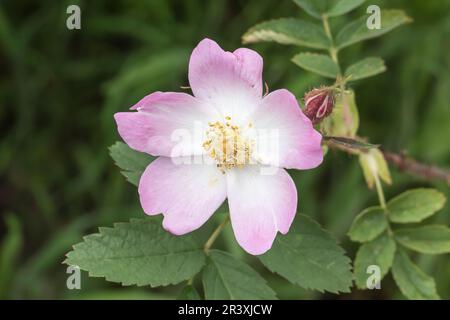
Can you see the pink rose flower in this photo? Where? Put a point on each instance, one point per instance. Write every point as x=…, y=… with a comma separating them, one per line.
x=240, y=131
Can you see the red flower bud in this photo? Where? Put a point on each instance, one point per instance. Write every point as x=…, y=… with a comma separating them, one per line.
x=318, y=104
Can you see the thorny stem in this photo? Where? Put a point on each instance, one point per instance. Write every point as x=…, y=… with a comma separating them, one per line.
x=404, y=163
x=215, y=234
x=413, y=167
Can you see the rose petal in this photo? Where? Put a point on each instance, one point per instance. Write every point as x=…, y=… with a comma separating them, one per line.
x=186, y=194
x=231, y=82
x=167, y=124
x=286, y=137
x=261, y=203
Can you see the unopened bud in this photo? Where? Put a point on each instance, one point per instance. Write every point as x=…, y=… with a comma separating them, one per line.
x=318, y=104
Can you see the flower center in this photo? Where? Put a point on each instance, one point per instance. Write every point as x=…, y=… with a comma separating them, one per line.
x=226, y=144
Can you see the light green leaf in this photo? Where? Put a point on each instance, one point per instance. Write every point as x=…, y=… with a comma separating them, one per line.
x=310, y=257
x=365, y=68
x=368, y=225
x=132, y=162
x=344, y=120
x=379, y=252
x=413, y=282
x=433, y=239
x=189, y=293
x=358, y=31
x=140, y=252
x=288, y=31
x=415, y=205
x=317, y=63
x=226, y=278
x=317, y=8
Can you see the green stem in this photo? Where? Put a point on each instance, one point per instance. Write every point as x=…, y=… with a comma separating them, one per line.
x=215, y=234
x=382, y=201
x=332, y=50
x=340, y=81
x=380, y=192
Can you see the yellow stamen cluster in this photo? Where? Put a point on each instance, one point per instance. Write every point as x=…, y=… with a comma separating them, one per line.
x=226, y=144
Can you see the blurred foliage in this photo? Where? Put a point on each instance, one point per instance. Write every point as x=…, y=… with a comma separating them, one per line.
x=60, y=88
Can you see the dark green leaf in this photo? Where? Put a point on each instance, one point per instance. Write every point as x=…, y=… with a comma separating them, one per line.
x=310, y=257
x=139, y=252
x=317, y=8
x=358, y=31
x=340, y=7
x=288, y=31
x=226, y=278
x=132, y=162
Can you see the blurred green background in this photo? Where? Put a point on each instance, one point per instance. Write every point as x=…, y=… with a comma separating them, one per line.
x=60, y=88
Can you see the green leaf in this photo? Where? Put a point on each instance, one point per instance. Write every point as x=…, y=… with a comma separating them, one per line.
x=139, y=252
x=288, y=31
x=344, y=120
x=350, y=143
x=310, y=257
x=132, y=162
x=226, y=278
x=365, y=68
x=413, y=282
x=314, y=8
x=317, y=63
x=340, y=7
x=132, y=176
x=379, y=252
x=433, y=239
x=317, y=8
x=368, y=225
x=358, y=31
x=189, y=293
x=415, y=205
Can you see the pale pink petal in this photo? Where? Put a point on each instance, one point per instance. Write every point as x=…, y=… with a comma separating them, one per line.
x=286, y=137
x=186, y=194
x=261, y=203
x=164, y=122
x=229, y=81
